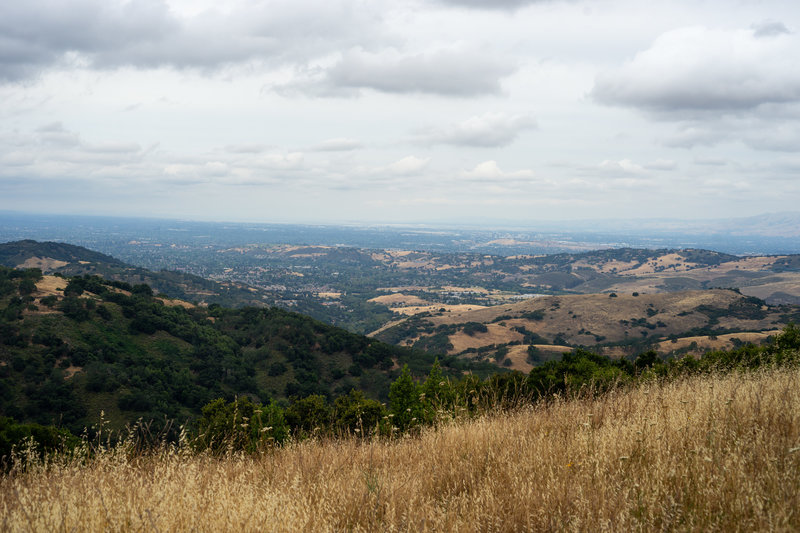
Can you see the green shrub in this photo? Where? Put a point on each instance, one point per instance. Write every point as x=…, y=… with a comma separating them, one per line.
x=240, y=425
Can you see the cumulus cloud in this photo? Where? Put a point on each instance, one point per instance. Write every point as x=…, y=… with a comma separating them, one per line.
x=627, y=169
x=37, y=34
x=288, y=161
x=493, y=4
x=53, y=152
x=408, y=165
x=490, y=130
x=490, y=171
x=625, y=166
x=690, y=71
x=769, y=29
x=460, y=73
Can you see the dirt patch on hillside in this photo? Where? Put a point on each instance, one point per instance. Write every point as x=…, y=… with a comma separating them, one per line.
x=46, y=264
x=50, y=286
x=178, y=303
x=495, y=334
x=71, y=371
x=519, y=358
x=329, y=295
x=399, y=298
x=436, y=308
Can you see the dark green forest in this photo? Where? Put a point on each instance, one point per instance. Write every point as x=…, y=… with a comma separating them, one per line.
x=118, y=348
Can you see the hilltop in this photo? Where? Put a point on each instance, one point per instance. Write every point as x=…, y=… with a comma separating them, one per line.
x=525, y=333
x=72, y=260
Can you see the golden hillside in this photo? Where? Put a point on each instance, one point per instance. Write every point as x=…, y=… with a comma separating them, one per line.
x=699, y=454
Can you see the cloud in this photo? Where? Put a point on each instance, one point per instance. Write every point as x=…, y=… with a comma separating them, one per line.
x=278, y=161
x=693, y=71
x=493, y=4
x=39, y=34
x=408, y=165
x=769, y=29
x=54, y=153
x=661, y=164
x=625, y=166
x=340, y=144
x=460, y=73
x=759, y=131
x=490, y=171
x=490, y=130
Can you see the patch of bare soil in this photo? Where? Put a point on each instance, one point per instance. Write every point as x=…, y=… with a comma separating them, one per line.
x=519, y=358
x=495, y=334
x=399, y=298
x=46, y=264
x=71, y=371
x=50, y=286
x=329, y=295
x=174, y=302
x=436, y=308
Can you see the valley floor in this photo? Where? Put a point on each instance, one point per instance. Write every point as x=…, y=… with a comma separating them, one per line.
x=715, y=453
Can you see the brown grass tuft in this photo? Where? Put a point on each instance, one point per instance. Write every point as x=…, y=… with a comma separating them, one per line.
x=702, y=454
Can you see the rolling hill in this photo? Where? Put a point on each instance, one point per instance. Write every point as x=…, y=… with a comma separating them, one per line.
x=71, y=348
x=71, y=260
x=614, y=324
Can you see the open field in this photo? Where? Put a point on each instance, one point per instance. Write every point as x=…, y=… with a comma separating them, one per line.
x=713, y=453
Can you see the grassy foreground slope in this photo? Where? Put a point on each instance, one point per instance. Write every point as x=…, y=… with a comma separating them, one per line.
x=705, y=453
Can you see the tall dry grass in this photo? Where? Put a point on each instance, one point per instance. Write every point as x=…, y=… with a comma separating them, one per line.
x=703, y=454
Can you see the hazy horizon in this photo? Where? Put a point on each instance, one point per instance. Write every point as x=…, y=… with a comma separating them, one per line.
x=413, y=111
x=487, y=224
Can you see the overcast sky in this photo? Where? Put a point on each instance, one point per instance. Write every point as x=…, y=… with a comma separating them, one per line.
x=400, y=111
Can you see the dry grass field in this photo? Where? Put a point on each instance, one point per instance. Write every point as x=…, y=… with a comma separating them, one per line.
x=714, y=453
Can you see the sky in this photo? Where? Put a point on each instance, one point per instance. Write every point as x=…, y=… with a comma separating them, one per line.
x=402, y=111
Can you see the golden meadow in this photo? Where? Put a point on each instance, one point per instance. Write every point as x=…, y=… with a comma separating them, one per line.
x=707, y=452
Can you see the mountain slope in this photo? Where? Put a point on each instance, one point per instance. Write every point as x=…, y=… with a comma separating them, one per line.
x=71, y=348
x=621, y=324
x=71, y=260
